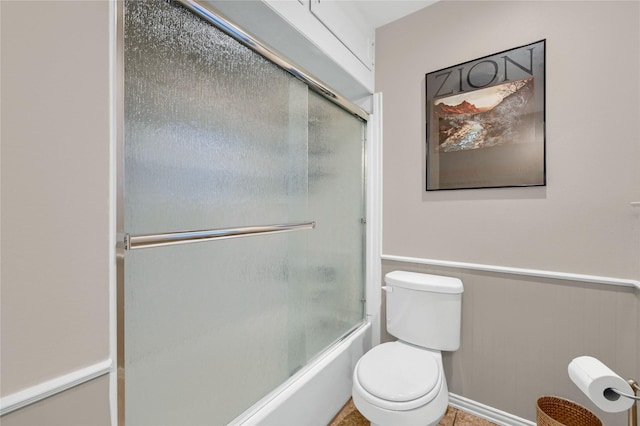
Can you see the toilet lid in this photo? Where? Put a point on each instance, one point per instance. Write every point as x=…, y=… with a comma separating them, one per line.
x=398, y=372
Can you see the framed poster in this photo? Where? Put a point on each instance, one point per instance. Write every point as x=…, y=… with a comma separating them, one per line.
x=486, y=121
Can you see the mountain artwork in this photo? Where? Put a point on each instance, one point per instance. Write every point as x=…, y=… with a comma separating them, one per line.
x=466, y=126
x=485, y=122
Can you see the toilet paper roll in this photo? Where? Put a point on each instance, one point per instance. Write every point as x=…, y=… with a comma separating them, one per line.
x=594, y=378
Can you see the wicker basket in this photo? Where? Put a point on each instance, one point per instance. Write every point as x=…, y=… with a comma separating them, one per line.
x=554, y=411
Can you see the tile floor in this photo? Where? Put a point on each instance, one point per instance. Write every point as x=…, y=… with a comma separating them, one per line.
x=349, y=416
x=455, y=417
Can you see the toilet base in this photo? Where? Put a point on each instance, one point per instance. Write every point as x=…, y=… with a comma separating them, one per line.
x=427, y=415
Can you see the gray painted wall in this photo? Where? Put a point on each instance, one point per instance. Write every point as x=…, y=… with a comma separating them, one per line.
x=581, y=222
x=84, y=405
x=55, y=204
x=520, y=333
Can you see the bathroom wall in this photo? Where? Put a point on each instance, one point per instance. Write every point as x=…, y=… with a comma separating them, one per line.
x=55, y=206
x=84, y=405
x=519, y=333
x=581, y=222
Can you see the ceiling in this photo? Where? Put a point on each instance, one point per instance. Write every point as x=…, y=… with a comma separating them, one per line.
x=381, y=12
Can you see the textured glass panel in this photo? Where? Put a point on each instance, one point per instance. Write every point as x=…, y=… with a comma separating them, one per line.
x=216, y=136
x=336, y=251
x=207, y=327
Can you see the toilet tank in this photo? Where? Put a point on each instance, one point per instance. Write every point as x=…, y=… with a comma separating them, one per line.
x=424, y=310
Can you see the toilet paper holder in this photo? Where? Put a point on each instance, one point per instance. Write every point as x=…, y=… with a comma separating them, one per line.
x=589, y=374
x=613, y=394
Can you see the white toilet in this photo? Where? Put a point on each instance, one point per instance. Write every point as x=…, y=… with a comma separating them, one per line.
x=402, y=383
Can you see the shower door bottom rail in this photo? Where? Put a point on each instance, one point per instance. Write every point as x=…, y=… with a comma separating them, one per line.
x=134, y=242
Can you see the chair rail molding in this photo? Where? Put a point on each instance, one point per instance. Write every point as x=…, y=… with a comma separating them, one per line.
x=52, y=387
x=622, y=282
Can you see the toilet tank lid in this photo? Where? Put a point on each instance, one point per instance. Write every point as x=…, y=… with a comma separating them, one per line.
x=424, y=282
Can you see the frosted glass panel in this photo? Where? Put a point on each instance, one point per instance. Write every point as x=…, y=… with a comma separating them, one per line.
x=336, y=251
x=215, y=134
x=207, y=328
x=215, y=137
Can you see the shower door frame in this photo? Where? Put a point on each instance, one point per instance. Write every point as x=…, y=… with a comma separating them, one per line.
x=371, y=174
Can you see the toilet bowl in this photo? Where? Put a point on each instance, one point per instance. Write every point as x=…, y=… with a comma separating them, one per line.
x=402, y=383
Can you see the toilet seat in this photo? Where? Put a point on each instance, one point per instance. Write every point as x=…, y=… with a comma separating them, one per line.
x=398, y=376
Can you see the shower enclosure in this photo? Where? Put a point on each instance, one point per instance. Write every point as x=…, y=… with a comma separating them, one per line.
x=242, y=215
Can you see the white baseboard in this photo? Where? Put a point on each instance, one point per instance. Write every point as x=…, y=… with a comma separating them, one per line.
x=489, y=413
x=49, y=388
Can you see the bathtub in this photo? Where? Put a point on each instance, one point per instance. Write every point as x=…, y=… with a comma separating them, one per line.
x=315, y=394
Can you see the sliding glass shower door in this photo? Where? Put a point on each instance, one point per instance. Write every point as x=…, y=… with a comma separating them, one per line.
x=218, y=138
